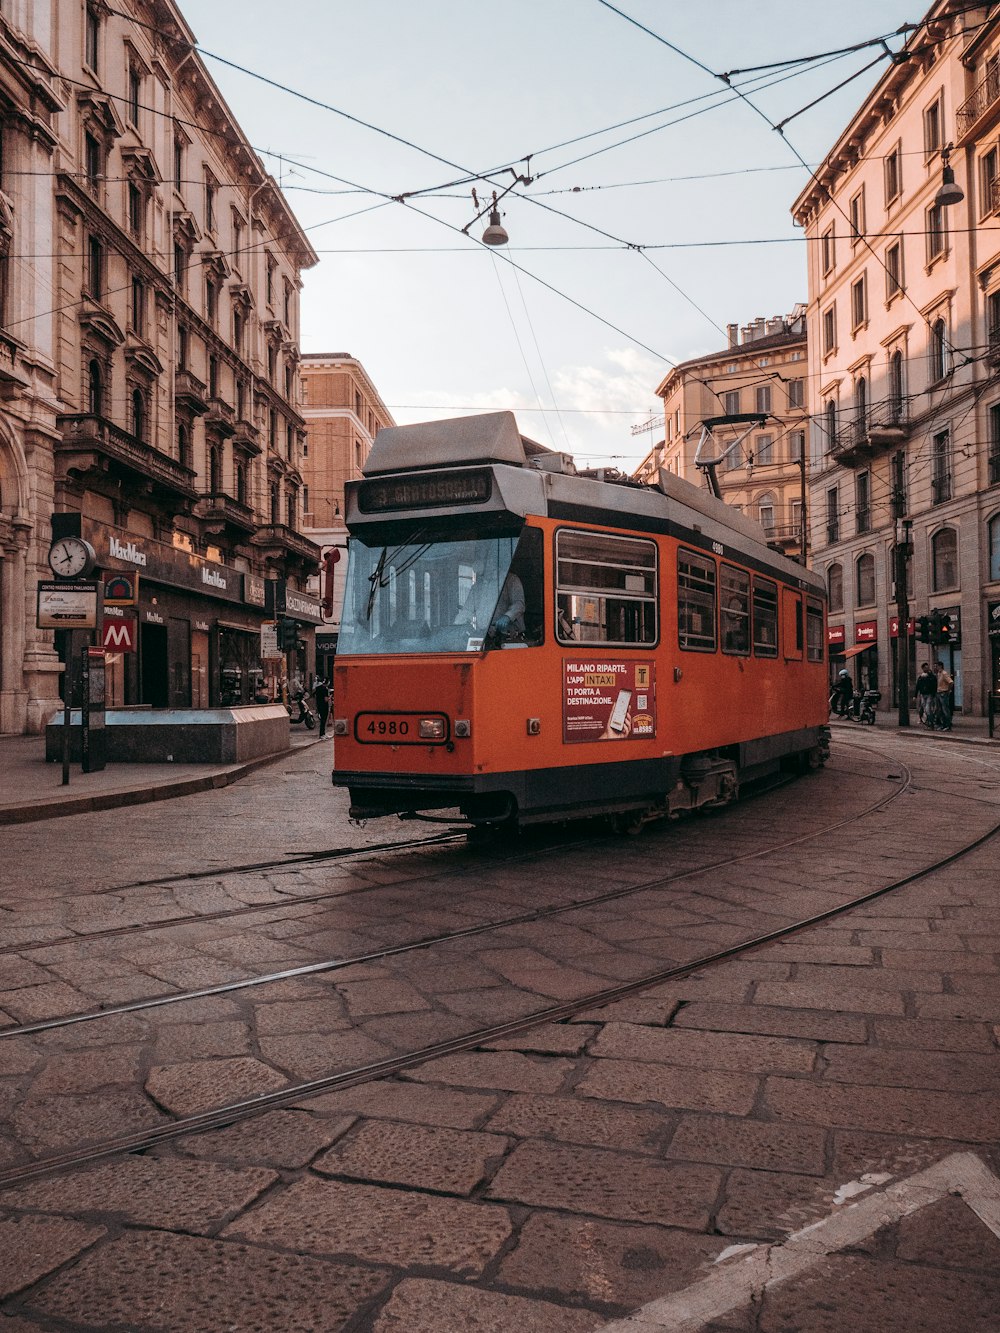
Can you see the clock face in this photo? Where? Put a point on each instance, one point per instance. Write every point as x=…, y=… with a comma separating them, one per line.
x=70, y=556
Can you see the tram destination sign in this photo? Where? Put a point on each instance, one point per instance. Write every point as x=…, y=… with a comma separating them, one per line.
x=384, y=495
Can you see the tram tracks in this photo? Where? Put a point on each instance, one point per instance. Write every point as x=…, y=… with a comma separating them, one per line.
x=295, y=1093
x=528, y=917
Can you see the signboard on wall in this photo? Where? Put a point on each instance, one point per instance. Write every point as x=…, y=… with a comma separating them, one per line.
x=67, y=605
x=608, y=699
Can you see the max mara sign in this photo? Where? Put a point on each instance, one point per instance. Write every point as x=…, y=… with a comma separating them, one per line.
x=161, y=563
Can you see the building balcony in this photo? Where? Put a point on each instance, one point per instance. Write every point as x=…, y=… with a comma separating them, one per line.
x=220, y=511
x=280, y=542
x=885, y=425
x=246, y=436
x=91, y=445
x=980, y=112
x=189, y=393
x=784, y=536
x=220, y=417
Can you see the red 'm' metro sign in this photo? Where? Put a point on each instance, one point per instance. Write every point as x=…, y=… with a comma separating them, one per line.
x=118, y=636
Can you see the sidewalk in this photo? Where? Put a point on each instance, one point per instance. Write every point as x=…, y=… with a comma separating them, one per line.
x=974, y=730
x=31, y=789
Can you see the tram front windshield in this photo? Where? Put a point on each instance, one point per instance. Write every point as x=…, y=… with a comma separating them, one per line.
x=432, y=593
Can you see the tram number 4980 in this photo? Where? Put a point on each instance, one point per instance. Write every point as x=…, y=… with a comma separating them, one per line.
x=388, y=728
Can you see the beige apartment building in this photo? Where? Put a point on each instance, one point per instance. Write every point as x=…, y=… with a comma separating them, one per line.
x=904, y=332
x=161, y=341
x=343, y=413
x=760, y=376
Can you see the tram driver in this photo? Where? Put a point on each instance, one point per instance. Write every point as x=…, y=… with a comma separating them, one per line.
x=507, y=613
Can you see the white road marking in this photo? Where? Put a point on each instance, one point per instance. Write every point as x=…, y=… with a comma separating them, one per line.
x=737, y=1281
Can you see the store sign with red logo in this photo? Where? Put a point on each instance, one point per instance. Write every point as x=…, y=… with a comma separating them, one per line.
x=835, y=634
x=911, y=627
x=866, y=632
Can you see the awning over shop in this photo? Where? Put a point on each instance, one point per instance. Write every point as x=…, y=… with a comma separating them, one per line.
x=857, y=648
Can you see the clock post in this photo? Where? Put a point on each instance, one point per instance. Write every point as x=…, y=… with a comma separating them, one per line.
x=68, y=604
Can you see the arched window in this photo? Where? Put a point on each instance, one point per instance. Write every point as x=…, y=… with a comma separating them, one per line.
x=835, y=587
x=95, y=389
x=831, y=424
x=765, y=512
x=865, y=569
x=994, y=530
x=138, y=414
x=215, y=469
x=944, y=559
x=939, y=367
x=896, y=385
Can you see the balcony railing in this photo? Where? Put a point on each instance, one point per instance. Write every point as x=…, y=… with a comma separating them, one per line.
x=221, y=417
x=279, y=536
x=219, y=506
x=883, y=425
x=190, y=392
x=87, y=440
x=985, y=99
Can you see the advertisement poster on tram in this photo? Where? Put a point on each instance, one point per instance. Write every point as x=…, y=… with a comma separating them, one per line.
x=608, y=699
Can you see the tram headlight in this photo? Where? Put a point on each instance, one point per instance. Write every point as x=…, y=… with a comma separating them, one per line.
x=463, y=728
x=431, y=729
x=340, y=726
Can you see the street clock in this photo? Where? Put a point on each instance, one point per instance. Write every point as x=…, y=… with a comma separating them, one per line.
x=71, y=558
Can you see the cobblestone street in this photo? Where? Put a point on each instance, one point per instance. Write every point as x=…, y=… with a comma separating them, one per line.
x=260, y=1071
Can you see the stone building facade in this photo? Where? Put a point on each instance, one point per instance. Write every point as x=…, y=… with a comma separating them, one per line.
x=343, y=413
x=760, y=375
x=904, y=353
x=166, y=332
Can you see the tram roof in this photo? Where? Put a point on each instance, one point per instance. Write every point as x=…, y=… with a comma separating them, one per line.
x=492, y=437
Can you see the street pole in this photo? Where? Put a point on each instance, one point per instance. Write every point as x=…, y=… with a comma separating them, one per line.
x=903, y=528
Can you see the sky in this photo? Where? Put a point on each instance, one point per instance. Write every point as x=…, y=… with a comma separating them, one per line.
x=571, y=325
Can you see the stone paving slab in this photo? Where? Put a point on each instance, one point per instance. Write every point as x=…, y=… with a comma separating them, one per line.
x=437, y=1307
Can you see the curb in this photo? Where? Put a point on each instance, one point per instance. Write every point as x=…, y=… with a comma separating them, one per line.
x=914, y=732
x=165, y=791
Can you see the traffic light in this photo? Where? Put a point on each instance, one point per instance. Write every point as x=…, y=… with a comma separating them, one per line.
x=288, y=635
x=924, y=629
x=943, y=629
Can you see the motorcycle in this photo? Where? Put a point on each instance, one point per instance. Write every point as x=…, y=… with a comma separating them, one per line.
x=304, y=714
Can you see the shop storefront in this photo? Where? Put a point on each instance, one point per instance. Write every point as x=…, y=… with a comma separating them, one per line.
x=993, y=633
x=192, y=639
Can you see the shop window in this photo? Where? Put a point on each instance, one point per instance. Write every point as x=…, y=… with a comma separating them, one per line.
x=735, y=604
x=865, y=579
x=835, y=587
x=944, y=559
x=605, y=588
x=765, y=618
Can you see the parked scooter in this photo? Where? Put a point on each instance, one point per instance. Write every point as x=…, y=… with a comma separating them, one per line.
x=299, y=710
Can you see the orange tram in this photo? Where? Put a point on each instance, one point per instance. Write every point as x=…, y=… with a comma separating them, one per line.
x=522, y=642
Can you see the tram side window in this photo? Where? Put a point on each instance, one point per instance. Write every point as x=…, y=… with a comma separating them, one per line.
x=765, y=618
x=735, y=602
x=814, y=631
x=605, y=588
x=696, y=583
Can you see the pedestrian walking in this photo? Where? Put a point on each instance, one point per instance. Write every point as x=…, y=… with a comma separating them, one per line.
x=925, y=691
x=321, y=698
x=942, y=707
